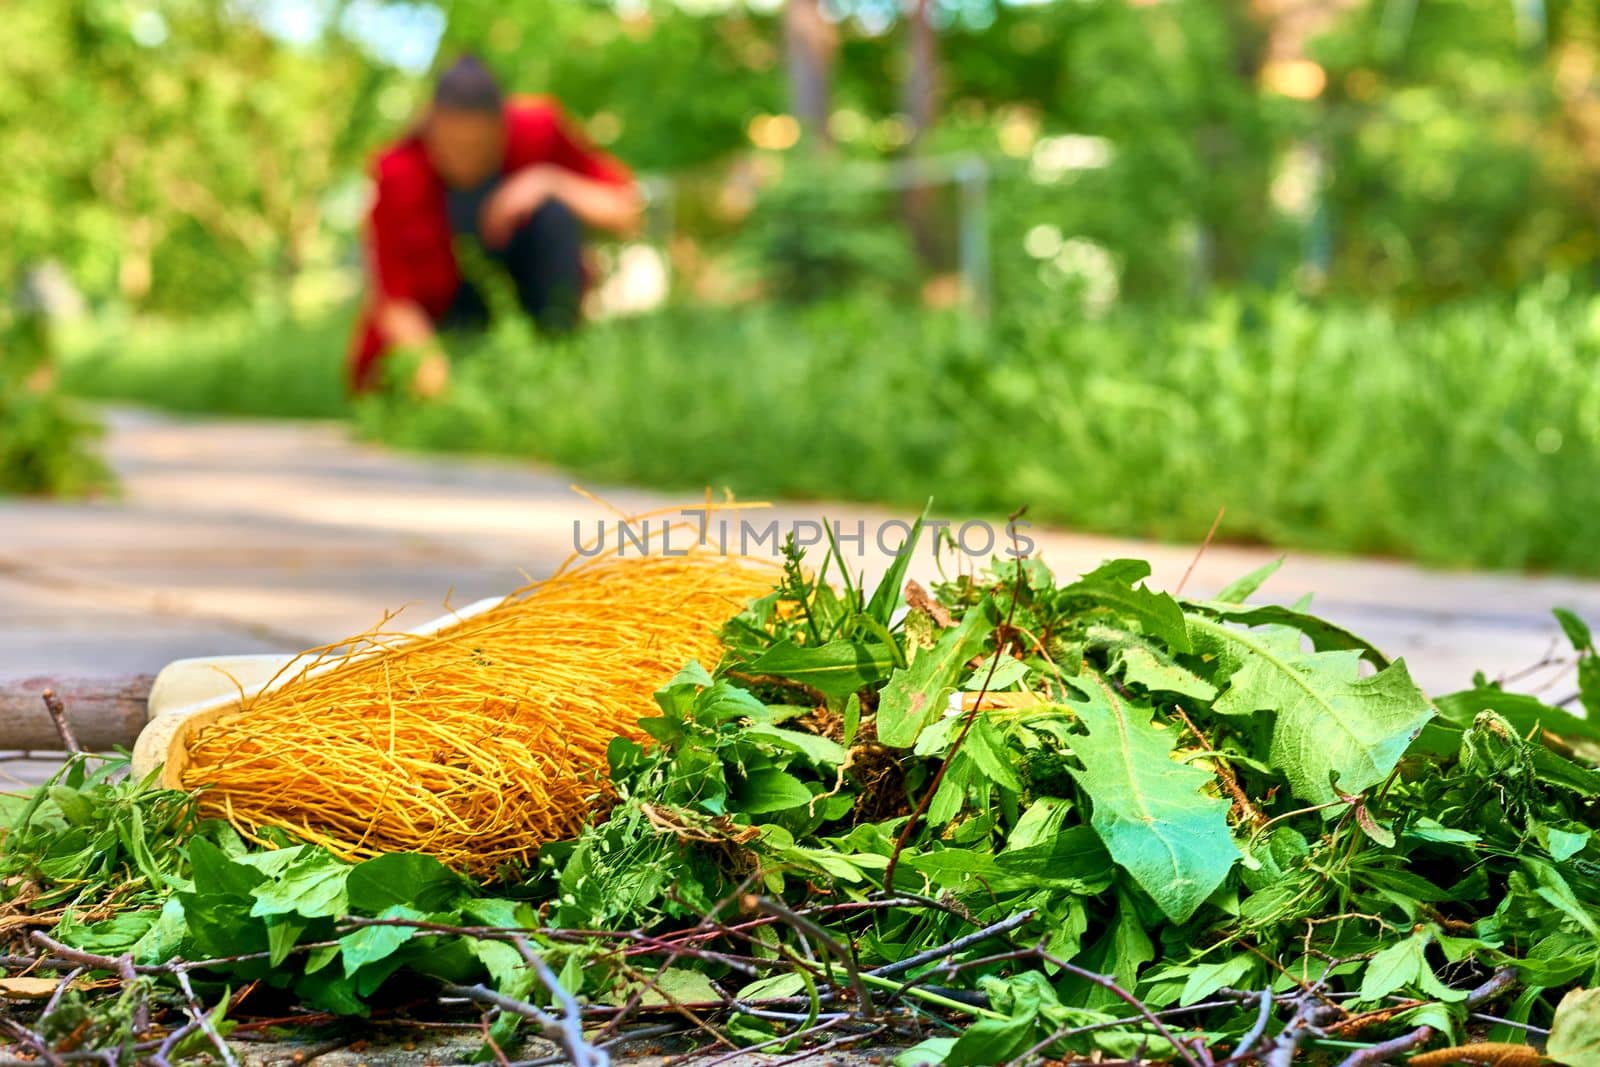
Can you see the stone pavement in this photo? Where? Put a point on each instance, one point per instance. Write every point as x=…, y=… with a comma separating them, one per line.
x=241, y=536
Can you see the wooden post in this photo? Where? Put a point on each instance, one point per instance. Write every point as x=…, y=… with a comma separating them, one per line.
x=103, y=712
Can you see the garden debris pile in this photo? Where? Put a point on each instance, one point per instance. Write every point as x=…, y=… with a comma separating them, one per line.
x=479, y=743
x=1009, y=819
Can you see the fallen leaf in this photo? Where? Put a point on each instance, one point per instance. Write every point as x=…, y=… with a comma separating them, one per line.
x=27, y=988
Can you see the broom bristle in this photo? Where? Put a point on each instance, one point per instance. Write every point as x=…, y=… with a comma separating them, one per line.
x=484, y=741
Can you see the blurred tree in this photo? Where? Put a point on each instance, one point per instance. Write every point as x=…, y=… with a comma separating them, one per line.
x=921, y=99
x=666, y=88
x=921, y=108
x=810, y=42
x=177, y=155
x=1463, y=146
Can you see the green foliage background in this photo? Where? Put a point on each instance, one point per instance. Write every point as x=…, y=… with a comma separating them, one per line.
x=1360, y=321
x=182, y=158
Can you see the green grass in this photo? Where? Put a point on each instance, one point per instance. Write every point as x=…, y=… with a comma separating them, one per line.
x=48, y=447
x=48, y=444
x=261, y=363
x=1469, y=435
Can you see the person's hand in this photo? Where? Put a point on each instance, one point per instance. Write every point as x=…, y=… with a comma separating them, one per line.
x=514, y=203
x=431, y=377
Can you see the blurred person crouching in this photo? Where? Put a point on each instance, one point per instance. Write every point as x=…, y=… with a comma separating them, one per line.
x=514, y=177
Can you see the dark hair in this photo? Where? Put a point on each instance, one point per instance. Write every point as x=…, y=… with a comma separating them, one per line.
x=468, y=85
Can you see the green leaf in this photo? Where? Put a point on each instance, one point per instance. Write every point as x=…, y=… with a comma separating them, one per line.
x=217, y=912
x=401, y=878
x=1558, y=893
x=498, y=911
x=76, y=808
x=929, y=1052
x=1528, y=714
x=1437, y=1016
x=1111, y=587
x=165, y=937
x=988, y=751
x=1560, y=771
x=1128, y=948
x=819, y=750
x=368, y=944
x=961, y=777
x=1005, y=674
x=1324, y=635
x=1394, y=968
x=676, y=699
x=1576, y=629
x=1405, y=964
x=680, y=985
x=1575, y=1033
x=916, y=695
x=1148, y=808
x=951, y=866
x=1405, y=884
x=723, y=702
x=198, y=1044
x=846, y=868
x=836, y=669
x=283, y=933
x=1564, y=844
x=109, y=937
x=1582, y=639
x=1074, y=859
x=1330, y=722
x=1143, y=665
x=1241, y=589
x=767, y=790
x=312, y=886
x=318, y=958
x=215, y=873
x=993, y=1040
x=886, y=597
x=1589, y=685
x=507, y=969
x=1042, y=820
x=330, y=990
x=779, y=985
x=1207, y=978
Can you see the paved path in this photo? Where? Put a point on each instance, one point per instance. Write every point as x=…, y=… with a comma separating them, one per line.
x=240, y=536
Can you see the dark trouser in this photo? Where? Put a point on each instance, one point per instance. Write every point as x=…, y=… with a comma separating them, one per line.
x=544, y=260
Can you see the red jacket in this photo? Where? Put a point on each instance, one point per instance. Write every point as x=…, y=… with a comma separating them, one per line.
x=410, y=249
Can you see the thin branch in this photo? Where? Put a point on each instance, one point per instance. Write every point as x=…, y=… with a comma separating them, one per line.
x=950, y=948
x=570, y=1028
x=781, y=1039
x=1110, y=985
x=1498, y=983
x=32, y=1040
x=162, y=1056
x=1309, y=1015
x=1263, y=1016
x=1216, y=522
x=58, y=715
x=1230, y=781
x=809, y=926
x=198, y=1013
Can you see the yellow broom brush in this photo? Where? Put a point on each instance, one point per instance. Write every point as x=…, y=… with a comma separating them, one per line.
x=475, y=744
